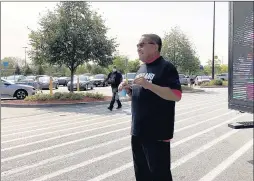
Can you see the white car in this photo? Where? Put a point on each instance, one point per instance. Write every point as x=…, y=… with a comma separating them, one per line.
x=202, y=79
x=130, y=77
x=20, y=91
x=223, y=76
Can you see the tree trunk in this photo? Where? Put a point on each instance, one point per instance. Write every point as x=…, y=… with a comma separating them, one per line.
x=72, y=76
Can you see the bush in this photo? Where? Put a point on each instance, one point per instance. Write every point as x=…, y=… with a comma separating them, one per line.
x=215, y=83
x=63, y=96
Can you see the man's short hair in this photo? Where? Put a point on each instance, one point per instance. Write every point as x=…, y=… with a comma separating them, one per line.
x=155, y=39
x=114, y=67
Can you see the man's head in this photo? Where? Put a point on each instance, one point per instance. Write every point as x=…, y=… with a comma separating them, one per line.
x=149, y=46
x=114, y=69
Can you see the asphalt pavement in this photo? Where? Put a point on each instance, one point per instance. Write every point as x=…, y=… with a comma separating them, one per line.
x=90, y=143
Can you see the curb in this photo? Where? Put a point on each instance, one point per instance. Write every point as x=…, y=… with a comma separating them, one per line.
x=57, y=105
x=214, y=87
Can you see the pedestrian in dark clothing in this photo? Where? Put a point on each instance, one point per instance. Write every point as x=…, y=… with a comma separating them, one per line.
x=154, y=92
x=114, y=79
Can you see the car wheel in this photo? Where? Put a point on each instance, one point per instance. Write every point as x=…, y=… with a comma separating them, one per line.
x=91, y=87
x=20, y=94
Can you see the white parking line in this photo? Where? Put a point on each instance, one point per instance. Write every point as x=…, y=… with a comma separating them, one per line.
x=193, y=154
x=60, y=145
x=174, y=164
x=67, y=117
x=65, y=135
x=80, y=151
x=61, y=130
x=130, y=164
x=46, y=133
x=56, y=158
x=70, y=122
x=201, y=122
x=226, y=163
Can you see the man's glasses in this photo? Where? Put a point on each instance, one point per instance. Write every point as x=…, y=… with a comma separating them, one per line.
x=141, y=45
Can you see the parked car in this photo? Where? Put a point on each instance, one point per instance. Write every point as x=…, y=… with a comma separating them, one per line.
x=29, y=80
x=63, y=80
x=98, y=80
x=202, y=79
x=84, y=83
x=183, y=79
x=130, y=77
x=10, y=89
x=44, y=81
x=223, y=76
x=15, y=78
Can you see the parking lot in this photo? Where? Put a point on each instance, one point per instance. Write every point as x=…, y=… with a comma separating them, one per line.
x=90, y=143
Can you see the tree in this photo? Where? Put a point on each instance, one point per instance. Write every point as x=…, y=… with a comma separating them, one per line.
x=133, y=66
x=96, y=69
x=223, y=68
x=89, y=67
x=208, y=67
x=27, y=70
x=119, y=62
x=40, y=70
x=81, y=69
x=178, y=49
x=71, y=35
x=17, y=69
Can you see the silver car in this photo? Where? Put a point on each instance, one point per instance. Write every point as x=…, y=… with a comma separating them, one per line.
x=10, y=89
x=130, y=77
x=183, y=79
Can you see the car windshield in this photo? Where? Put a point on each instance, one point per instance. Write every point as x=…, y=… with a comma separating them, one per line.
x=44, y=79
x=13, y=77
x=131, y=75
x=99, y=76
x=30, y=77
x=81, y=78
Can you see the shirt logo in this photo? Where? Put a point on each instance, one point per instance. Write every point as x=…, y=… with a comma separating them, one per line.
x=148, y=76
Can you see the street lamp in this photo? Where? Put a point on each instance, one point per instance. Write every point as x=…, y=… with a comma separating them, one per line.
x=25, y=54
x=213, y=39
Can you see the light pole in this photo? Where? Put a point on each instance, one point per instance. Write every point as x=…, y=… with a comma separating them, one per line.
x=213, y=39
x=25, y=54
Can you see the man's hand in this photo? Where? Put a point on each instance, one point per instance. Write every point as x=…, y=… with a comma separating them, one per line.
x=125, y=86
x=142, y=82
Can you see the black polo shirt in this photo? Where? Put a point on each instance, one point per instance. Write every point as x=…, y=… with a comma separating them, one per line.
x=152, y=116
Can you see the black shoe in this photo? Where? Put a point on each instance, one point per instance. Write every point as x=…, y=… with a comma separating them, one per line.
x=119, y=107
x=110, y=108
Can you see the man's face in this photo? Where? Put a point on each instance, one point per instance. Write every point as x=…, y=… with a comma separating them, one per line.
x=146, y=49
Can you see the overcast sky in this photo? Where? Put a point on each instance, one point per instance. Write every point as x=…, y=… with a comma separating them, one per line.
x=127, y=21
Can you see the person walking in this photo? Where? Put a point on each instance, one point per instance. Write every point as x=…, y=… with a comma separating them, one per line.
x=114, y=79
x=153, y=93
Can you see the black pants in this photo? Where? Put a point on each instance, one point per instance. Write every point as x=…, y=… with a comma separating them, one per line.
x=151, y=160
x=115, y=97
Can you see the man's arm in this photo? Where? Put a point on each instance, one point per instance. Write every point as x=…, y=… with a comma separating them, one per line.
x=165, y=92
x=106, y=78
x=170, y=90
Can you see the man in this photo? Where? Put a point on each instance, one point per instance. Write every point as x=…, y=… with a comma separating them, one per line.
x=154, y=92
x=114, y=78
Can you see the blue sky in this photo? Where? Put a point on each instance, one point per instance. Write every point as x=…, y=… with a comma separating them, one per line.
x=128, y=21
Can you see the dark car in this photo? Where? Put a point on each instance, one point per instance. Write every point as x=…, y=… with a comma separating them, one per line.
x=44, y=81
x=63, y=80
x=84, y=83
x=99, y=79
